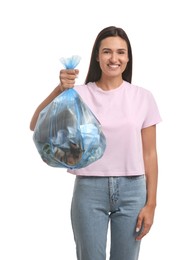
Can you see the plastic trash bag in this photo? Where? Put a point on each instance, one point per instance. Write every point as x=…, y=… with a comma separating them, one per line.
x=70, y=63
x=67, y=133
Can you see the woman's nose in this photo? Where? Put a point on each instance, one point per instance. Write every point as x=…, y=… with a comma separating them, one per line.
x=113, y=57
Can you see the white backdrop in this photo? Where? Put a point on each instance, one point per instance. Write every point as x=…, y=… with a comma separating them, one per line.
x=35, y=198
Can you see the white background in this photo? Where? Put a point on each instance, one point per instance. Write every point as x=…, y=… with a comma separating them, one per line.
x=35, y=198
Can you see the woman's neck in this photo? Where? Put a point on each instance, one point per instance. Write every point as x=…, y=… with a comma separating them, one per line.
x=109, y=84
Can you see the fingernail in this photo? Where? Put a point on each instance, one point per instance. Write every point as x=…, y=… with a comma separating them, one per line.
x=137, y=229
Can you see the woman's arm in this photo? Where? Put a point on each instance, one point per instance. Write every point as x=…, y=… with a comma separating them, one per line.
x=44, y=103
x=146, y=216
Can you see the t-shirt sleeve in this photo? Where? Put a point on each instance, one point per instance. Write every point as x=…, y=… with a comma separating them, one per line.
x=152, y=116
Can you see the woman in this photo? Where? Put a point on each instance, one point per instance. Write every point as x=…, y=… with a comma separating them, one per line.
x=120, y=188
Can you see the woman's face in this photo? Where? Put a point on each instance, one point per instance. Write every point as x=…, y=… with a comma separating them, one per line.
x=113, y=56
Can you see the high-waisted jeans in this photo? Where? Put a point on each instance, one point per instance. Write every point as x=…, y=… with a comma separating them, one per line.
x=100, y=200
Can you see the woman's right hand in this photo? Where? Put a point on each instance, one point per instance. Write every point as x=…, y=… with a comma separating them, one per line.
x=67, y=78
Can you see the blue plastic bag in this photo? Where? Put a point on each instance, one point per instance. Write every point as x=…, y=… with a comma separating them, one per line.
x=70, y=63
x=67, y=133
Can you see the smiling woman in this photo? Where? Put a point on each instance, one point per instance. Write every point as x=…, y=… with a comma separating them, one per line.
x=121, y=186
x=113, y=58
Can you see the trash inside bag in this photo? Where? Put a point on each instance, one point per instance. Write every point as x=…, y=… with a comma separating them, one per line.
x=67, y=133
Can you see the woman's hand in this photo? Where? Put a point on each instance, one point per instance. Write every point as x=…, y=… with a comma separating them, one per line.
x=67, y=78
x=145, y=221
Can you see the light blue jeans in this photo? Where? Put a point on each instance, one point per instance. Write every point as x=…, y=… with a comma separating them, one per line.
x=98, y=200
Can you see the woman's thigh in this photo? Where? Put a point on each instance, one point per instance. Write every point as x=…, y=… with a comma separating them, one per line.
x=89, y=215
x=131, y=198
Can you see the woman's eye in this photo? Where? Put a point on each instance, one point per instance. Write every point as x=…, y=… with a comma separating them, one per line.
x=121, y=52
x=106, y=52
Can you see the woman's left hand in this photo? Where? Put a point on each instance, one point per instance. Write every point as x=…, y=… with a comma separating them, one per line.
x=145, y=221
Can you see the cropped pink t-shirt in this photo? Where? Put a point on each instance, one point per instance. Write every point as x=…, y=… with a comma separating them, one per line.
x=122, y=112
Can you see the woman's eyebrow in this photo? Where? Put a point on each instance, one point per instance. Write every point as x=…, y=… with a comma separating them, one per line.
x=120, y=49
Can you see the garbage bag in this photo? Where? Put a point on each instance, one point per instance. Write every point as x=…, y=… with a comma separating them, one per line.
x=67, y=133
x=70, y=62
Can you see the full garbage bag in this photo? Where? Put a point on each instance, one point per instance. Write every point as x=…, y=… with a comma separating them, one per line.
x=67, y=133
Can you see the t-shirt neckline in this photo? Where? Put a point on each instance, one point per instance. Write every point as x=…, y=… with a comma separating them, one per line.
x=109, y=91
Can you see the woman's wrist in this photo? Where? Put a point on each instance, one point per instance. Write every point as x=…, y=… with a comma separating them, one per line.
x=60, y=88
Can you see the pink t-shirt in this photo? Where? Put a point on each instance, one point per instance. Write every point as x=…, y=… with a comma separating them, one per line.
x=122, y=112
